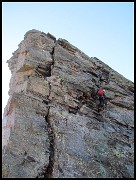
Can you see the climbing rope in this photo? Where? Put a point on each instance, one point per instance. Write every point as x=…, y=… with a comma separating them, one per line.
x=102, y=170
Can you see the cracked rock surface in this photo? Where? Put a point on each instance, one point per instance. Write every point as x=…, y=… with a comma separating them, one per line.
x=51, y=126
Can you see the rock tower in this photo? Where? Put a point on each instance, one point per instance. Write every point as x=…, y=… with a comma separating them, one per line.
x=51, y=124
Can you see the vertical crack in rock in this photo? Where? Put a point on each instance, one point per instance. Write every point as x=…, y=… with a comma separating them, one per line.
x=52, y=56
x=49, y=169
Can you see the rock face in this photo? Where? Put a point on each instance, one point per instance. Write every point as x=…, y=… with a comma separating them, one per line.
x=51, y=124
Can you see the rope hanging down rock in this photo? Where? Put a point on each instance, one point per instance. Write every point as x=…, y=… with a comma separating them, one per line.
x=102, y=170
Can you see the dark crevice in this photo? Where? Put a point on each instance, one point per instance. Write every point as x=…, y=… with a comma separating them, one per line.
x=130, y=88
x=72, y=110
x=91, y=72
x=45, y=102
x=118, y=123
x=52, y=55
x=49, y=170
x=43, y=72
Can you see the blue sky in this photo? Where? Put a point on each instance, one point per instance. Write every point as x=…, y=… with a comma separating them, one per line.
x=100, y=29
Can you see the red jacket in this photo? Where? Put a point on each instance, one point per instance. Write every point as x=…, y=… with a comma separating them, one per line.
x=100, y=92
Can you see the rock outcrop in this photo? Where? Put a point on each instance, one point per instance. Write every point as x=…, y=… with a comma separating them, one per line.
x=51, y=124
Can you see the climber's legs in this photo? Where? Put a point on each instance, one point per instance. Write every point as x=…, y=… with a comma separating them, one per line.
x=101, y=100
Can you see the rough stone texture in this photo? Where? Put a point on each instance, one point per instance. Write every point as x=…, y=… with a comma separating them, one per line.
x=51, y=124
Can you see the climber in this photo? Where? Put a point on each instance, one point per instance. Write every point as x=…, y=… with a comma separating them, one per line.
x=101, y=96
